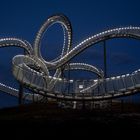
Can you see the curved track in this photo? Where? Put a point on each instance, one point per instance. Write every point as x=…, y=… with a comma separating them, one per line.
x=34, y=72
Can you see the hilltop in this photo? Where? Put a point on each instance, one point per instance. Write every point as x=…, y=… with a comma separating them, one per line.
x=48, y=117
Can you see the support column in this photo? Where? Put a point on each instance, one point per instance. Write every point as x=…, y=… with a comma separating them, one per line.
x=105, y=59
x=68, y=78
x=20, y=94
x=20, y=97
x=105, y=62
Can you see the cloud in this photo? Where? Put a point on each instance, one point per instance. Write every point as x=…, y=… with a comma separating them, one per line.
x=89, y=56
x=121, y=58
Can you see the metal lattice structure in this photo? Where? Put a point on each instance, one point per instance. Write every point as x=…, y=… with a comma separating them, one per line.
x=33, y=72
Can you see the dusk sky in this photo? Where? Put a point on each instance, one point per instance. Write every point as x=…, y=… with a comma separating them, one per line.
x=23, y=18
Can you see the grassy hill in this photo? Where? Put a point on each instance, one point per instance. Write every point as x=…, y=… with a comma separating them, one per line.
x=49, y=119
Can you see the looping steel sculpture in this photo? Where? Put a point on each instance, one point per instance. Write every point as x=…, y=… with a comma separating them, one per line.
x=32, y=71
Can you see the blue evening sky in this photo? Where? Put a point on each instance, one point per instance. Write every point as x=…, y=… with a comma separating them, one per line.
x=23, y=18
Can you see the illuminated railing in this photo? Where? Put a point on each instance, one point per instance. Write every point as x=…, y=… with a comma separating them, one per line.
x=32, y=71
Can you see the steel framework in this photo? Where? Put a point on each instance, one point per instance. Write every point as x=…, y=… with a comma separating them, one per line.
x=33, y=72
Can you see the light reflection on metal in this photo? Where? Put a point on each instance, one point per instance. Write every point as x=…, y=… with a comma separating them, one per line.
x=32, y=71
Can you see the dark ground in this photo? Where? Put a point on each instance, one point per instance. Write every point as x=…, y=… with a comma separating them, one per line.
x=45, y=120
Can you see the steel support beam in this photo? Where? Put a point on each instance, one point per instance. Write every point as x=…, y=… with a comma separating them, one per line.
x=105, y=59
x=20, y=94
